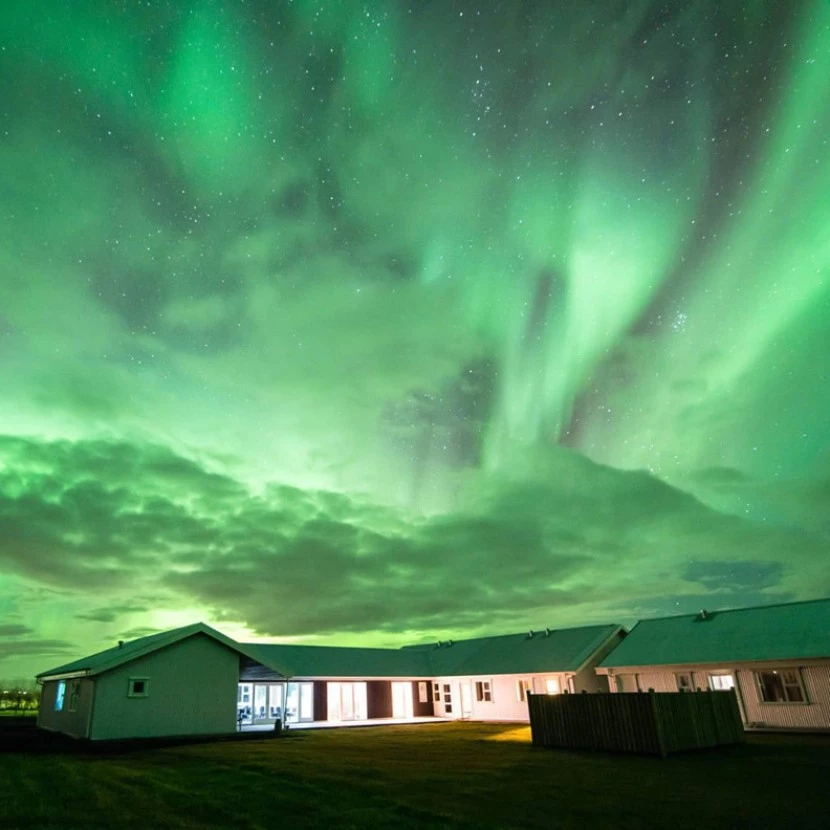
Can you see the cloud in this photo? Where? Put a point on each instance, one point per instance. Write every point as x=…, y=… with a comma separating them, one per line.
x=556, y=541
x=15, y=630
x=19, y=648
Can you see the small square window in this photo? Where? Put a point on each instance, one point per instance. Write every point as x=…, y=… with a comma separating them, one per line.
x=138, y=687
x=552, y=686
x=684, y=682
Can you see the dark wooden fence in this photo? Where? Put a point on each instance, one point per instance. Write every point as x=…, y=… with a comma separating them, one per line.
x=642, y=722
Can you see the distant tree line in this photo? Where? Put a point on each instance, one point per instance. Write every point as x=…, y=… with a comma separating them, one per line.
x=19, y=695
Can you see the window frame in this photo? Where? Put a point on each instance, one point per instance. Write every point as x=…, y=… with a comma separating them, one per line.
x=436, y=692
x=423, y=692
x=524, y=686
x=60, y=696
x=799, y=684
x=131, y=692
x=710, y=677
x=680, y=687
x=73, y=695
x=447, y=691
x=484, y=691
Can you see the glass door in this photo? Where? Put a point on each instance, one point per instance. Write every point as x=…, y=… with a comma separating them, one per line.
x=299, y=702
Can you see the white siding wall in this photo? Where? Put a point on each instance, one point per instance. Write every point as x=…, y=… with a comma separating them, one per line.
x=815, y=714
x=74, y=723
x=505, y=704
x=192, y=691
x=811, y=715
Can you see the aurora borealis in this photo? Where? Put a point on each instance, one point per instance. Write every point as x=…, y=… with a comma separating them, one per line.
x=370, y=322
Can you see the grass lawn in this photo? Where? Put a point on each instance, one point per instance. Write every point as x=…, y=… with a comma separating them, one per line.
x=436, y=775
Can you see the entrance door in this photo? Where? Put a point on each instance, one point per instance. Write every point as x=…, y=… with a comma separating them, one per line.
x=402, y=700
x=299, y=702
x=466, y=699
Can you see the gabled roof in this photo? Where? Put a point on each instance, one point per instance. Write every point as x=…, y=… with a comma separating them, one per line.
x=132, y=650
x=551, y=650
x=558, y=650
x=343, y=661
x=792, y=631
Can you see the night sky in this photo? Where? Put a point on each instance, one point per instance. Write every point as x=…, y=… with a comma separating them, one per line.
x=376, y=322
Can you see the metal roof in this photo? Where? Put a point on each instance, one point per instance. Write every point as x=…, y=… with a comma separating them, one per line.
x=343, y=661
x=792, y=631
x=551, y=650
x=119, y=655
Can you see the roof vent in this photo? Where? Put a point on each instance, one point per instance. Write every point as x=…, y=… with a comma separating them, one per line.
x=547, y=632
x=703, y=615
x=440, y=643
x=530, y=634
x=120, y=644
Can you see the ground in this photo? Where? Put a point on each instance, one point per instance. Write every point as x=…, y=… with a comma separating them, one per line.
x=437, y=775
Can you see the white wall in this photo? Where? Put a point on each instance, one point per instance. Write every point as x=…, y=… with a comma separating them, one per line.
x=192, y=691
x=505, y=704
x=814, y=714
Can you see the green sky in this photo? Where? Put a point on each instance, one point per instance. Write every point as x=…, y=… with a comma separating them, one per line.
x=369, y=323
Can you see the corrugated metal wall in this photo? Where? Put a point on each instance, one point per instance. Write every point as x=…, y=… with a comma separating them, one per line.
x=814, y=714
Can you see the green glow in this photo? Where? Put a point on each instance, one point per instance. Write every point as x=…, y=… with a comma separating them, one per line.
x=378, y=322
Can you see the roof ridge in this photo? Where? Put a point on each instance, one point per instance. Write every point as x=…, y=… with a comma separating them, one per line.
x=730, y=610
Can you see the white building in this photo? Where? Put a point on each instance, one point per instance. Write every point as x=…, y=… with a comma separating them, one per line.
x=776, y=657
x=196, y=681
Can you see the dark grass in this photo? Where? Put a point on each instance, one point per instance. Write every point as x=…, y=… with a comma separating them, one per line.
x=436, y=775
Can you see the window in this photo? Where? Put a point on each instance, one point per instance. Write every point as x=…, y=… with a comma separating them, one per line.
x=552, y=686
x=522, y=688
x=422, y=692
x=436, y=692
x=447, y=699
x=781, y=686
x=138, y=687
x=74, y=694
x=721, y=682
x=484, y=692
x=684, y=682
x=59, y=695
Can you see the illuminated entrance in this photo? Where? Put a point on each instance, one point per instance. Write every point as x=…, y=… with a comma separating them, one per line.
x=347, y=702
x=261, y=703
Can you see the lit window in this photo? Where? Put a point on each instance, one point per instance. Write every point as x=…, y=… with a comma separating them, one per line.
x=138, y=687
x=59, y=695
x=552, y=686
x=523, y=686
x=423, y=695
x=781, y=686
x=721, y=682
x=484, y=693
x=684, y=682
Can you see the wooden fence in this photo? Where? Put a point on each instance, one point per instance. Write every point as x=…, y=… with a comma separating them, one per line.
x=648, y=723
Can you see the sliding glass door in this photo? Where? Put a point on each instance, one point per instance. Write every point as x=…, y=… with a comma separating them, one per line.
x=347, y=701
x=299, y=702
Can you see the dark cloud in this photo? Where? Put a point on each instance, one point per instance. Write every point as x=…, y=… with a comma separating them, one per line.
x=15, y=630
x=295, y=562
x=18, y=648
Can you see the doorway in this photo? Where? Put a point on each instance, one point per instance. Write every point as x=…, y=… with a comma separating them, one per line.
x=402, y=700
x=466, y=699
